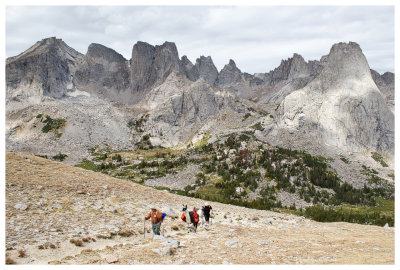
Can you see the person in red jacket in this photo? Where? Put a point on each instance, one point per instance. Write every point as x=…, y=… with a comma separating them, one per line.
x=156, y=219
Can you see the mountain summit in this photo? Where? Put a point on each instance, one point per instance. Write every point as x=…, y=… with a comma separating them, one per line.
x=342, y=104
x=337, y=100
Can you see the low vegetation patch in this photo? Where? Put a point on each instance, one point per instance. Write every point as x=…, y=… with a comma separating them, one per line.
x=88, y=165
x=21, y=253
x=345, y=160
x=247, y=115
x=59, y=157
x=238, y=169
x=138, y=124
x=53, y=125
x=144, y=143
x=381, y=214
x=76, y=242
x=378, y=158
x=257, y=126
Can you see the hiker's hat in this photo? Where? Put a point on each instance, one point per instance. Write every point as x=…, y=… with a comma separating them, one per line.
x=153, y=207
x=207, y=204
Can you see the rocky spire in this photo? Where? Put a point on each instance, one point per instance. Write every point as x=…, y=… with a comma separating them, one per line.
x=191, y=72
x=206, y=69
x=103, y=68
x=342, y=105
x=229, y=75
x=385, y=84
x=152, y=64
x=100, y=51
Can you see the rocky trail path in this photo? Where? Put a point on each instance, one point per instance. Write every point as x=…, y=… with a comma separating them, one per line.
x=59, y=214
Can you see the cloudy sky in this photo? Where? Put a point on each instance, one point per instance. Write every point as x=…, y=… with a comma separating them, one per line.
x=256, y=37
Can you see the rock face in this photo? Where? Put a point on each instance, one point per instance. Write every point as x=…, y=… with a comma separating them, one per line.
x=342, y=105
x=191, y=106
x=103, y=72
x=293, y=68
x=335, y=98
x=191, y=72
x=45, y=69
x=385, y=83
x=151, y=65
x=203, y=68
x=232, y=79
x=292, y=74
x=206, y=69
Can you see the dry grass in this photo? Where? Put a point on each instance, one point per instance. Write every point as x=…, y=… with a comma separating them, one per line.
x=47, y=245
x=76, y=242
x=283, y=242
x=85, y=239
x=126, y=232
x=21, y=253
x=87, y=251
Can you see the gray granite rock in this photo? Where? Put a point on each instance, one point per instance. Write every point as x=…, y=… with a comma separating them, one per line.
x=342, y=105
x=151, y=65
x=45, y=69
x=206, y=69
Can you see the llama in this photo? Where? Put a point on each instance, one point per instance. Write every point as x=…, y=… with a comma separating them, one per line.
x=188, y=221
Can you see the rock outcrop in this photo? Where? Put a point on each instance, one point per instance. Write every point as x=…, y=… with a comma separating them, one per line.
x=45, y=69
x=206, y=69
x=151, y=65
x=232, y=79
x=342, y=105
x=174, y=118
x=103, y=72
x=385, y=83
x=203, y=68
x=334, y=98
x=191, y=72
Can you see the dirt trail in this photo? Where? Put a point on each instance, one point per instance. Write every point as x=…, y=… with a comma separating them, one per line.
x=49, y=203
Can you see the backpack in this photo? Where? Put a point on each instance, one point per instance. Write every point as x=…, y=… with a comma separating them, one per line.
x=191, y=216
x=183, y=217
x=196, y=217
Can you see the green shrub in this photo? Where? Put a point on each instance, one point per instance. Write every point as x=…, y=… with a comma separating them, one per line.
x=88, y=165
x=257, y=126
x=378, y=158
x=345, y=160
x=247, y=115
x=59, y=157
x=53, y=125
x=355, y=214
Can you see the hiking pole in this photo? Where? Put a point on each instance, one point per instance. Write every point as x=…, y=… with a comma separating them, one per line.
x=144, y=229
x=152, y=228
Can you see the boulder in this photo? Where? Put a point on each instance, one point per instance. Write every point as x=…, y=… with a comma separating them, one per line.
x=21, y=206
x=169, y=211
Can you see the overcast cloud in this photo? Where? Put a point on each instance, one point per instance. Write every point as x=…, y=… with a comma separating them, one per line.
x=256, y=37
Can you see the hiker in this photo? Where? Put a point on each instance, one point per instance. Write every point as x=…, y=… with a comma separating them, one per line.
x=194, y=218
x=206, y=211
x=156, y=220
